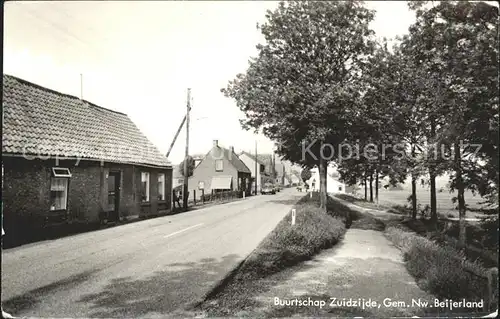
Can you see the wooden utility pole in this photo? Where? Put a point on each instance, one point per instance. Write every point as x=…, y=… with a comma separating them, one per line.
x=283, y=176
x=256, y=167
x=186, y=178
x=273, y=160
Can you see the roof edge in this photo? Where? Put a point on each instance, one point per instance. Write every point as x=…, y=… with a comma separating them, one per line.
x=59, y=93
x=64, y=158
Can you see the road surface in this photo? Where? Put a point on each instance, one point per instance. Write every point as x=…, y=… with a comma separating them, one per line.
x=145, y=269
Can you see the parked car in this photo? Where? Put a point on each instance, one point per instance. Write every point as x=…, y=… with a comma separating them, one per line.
x=268, y=189
x=277, y=188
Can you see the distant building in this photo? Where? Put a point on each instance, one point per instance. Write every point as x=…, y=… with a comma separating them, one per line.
x=333, y=185
x=282, y=169
x=250, y=160
x=220, y=170
x=294, y=179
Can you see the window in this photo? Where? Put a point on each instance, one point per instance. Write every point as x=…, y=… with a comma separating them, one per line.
x=145, y=187
x=161, y=186
x=219, y=166
x=60, y=172
x=340, y=188
x=58, y=193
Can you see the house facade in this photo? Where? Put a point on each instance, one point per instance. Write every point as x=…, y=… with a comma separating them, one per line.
x=220, y=170
x=333, y=185
x=68, y=161
x=295, y=178
x=281, y=168
x=257, y=172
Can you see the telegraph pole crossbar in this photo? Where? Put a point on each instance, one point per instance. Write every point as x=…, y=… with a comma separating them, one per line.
x=176, y=135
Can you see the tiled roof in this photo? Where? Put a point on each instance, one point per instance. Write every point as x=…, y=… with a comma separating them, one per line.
x=252, y=156
x=40, y=121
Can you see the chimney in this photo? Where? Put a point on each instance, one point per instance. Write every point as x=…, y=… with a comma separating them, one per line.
x=231, y=149
x=216, y=143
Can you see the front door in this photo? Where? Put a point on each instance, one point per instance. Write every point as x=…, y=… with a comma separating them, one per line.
x=114, y=196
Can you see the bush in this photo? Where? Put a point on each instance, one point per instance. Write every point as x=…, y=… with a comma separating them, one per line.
x=490, y=236
x=288, y=245
x=339, y=210
x=443, y=271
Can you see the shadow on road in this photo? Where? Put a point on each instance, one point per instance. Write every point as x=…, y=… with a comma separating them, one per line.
x=160, y=293
x=31, y=299
x=289, y=202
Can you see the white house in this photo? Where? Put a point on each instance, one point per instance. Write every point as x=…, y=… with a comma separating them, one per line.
x=294, y=179
x=333, y=185
x=249, y=160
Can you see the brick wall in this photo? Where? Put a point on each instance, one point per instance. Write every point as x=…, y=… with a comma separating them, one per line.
x=23, y=194
x=26, y=192
x=206, y=170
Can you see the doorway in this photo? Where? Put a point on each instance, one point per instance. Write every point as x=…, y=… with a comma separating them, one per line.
x=114, y=196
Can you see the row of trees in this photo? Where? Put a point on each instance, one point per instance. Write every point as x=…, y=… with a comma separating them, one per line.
x=322, y=83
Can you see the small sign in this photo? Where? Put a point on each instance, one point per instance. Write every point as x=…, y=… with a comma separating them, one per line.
x=293, y=216
x=201, y=185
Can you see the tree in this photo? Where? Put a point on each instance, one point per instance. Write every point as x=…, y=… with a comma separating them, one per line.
x=458, y=44
x=305, y=174
x=190, y=166
x=376, y=154
x=300, y=88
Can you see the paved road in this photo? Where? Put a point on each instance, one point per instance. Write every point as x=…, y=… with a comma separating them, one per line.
x=144, y=269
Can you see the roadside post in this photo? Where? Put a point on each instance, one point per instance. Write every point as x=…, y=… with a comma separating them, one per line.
x=293, y=216
x=310, y=194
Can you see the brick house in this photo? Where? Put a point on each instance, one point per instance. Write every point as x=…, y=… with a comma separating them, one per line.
x=220, y=170
x=68, y=161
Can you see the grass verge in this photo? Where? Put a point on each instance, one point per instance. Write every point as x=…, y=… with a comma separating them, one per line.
x=475, y=250
x=441, y=270
x=361, y=202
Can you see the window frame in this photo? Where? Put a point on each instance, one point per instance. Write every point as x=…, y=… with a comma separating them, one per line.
x=65, y=174
x=222, y=165
x=148, y=187
x=66, y=179
x=161, y=191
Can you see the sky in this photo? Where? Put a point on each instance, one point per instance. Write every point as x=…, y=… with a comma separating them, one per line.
x=139, y=58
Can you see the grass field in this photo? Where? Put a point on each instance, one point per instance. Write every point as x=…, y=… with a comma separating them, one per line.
x=445, y=206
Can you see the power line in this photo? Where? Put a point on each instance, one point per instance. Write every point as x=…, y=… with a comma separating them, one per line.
x=68, y=35
x=55, y=26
